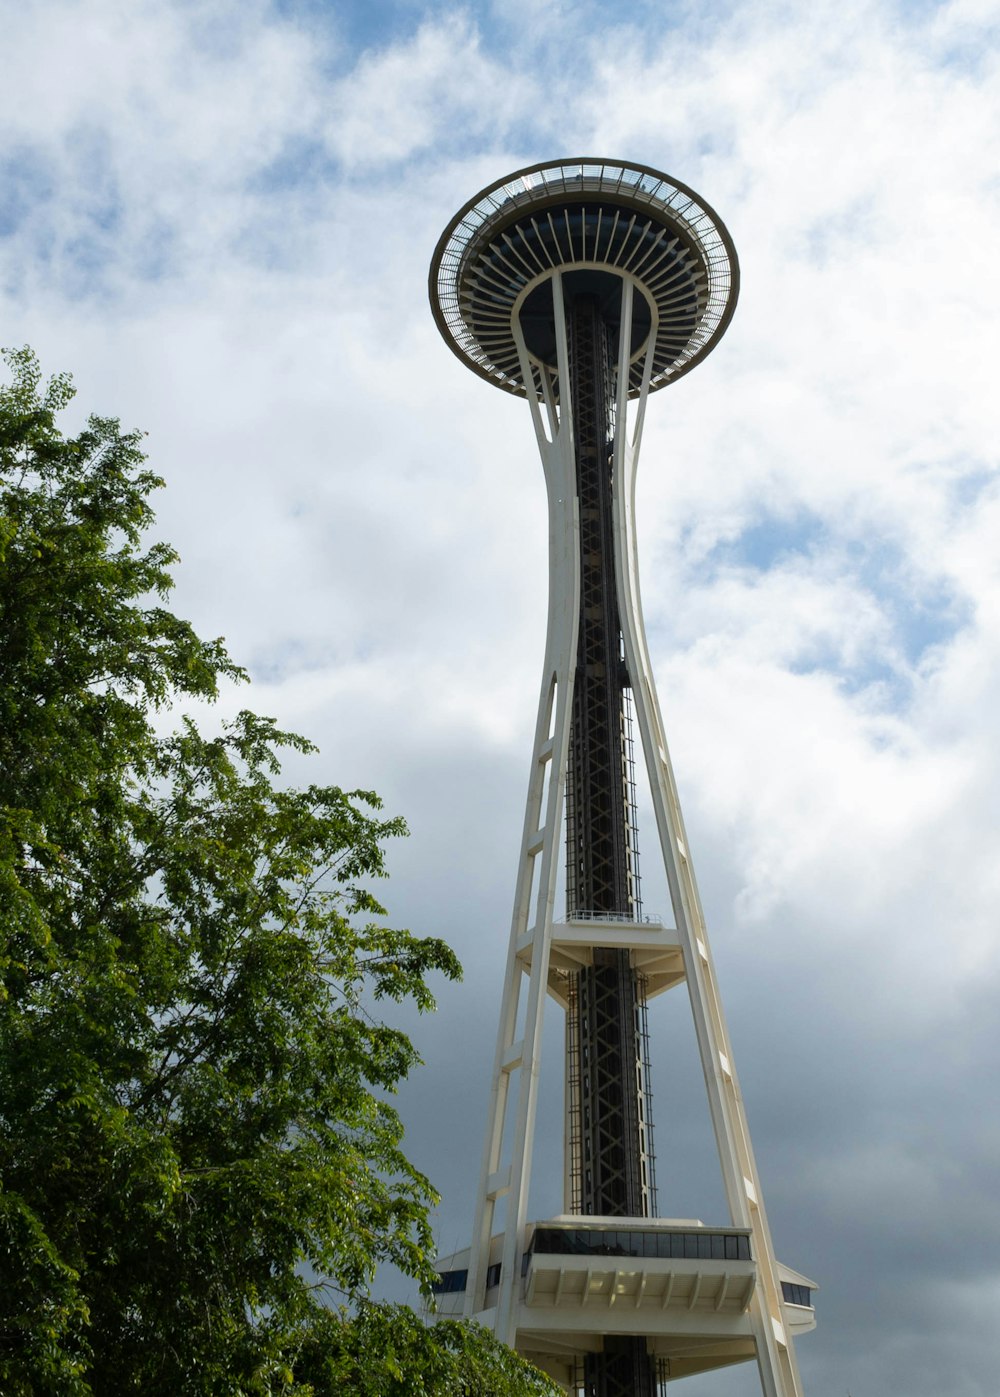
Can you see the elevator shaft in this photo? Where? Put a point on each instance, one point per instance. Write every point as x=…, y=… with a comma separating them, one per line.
x=599, y=852
x=606, y=1092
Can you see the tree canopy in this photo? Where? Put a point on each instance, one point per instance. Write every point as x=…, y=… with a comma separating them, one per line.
x=200, y=1170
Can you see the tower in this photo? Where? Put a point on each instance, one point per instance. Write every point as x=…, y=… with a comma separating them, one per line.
x=583, y=286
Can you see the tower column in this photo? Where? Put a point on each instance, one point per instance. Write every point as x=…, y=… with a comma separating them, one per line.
x=584, y=286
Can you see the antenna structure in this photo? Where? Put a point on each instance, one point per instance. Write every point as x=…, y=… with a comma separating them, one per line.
x=584, y=285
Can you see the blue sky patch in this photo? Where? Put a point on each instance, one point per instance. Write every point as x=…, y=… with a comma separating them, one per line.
x=921, y=611
x=773, y=540
x=302, y=163
x=359, y=27
x=28, y=183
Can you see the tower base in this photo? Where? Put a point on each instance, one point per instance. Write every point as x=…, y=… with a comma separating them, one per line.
x=686, y=1290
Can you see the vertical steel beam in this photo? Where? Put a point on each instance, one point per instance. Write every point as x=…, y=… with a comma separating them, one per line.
x=600, y=844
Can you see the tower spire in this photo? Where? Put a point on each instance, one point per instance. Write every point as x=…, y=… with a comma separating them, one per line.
x=584, y=285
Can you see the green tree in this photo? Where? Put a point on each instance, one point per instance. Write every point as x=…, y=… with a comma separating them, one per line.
x=199, y=1169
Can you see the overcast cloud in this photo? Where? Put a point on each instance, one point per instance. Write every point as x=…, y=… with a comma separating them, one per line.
x=219, y=216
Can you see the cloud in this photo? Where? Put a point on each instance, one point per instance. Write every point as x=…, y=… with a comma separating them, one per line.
x=220, y=218
x=403, y=99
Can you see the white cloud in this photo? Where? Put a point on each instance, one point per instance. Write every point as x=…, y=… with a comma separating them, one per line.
x=401, y=99
x=221, y=221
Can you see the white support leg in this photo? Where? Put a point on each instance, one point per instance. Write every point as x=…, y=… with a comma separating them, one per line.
x=507, y=1163
x=775, y=1354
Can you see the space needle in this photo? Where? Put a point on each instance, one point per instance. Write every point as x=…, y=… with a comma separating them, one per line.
x=583, y=286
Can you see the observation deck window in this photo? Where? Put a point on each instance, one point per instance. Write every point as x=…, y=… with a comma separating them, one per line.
x=448, y=1282
x=703, y=1245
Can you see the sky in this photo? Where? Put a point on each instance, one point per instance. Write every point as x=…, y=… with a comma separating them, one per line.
x=219, y=217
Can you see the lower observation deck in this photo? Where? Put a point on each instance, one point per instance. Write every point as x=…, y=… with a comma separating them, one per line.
x=654, y=949
x=685, y=1287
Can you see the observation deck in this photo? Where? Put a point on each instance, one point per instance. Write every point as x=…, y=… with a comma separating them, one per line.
x=598, y=222
x=686, y=1286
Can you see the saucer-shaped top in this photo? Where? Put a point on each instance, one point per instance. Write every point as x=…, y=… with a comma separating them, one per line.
x=598, y=222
